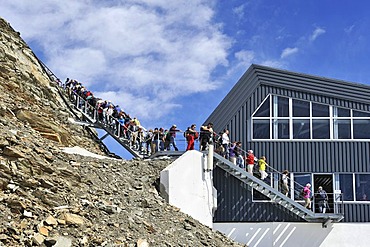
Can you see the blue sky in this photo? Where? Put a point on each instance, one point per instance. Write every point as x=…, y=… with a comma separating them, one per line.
x=172, y=62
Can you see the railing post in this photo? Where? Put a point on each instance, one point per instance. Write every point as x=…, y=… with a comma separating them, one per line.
x=118, y=129
x=85, y=110
x=210, y=156
x=77, y=101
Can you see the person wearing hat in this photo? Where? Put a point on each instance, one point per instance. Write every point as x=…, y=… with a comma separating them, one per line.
x=250, y=159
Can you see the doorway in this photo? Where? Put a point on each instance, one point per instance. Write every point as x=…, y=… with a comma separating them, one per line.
x=326, y=182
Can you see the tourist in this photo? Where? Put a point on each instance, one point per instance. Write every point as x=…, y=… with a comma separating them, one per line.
x=262, y=164
x=284, y=183
x=250, y=161
x=307, y=196
x=191, y=134
x=206, y=134
x=225, y=143
x=322, y=200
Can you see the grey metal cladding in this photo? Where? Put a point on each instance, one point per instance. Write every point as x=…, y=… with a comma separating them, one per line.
x=319, y=89
x=235, y=110
x=237, y=205
x=311, y=156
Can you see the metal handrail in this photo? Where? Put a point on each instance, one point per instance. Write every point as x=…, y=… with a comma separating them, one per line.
x=260, y=182
x=83, y=105
x=297, y=188
x=334, y=203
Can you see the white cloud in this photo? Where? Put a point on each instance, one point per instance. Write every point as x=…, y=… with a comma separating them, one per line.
x=316, y=33
x=349, y=29
x=273, y=64
x=145, y=53
x=288, y=52
x=239, y=11
x=245, y=56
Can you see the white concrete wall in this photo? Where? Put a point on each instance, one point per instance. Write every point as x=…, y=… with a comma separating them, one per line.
x=297, y=234
x=185, y=184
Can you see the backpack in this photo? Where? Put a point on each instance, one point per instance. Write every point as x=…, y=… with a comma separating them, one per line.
x=302, y=193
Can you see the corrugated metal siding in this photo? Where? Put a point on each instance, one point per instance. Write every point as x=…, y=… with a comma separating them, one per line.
x=310, y=84
x=297, y=156
x=356, y=213
x=235, y=203
x=326, y=157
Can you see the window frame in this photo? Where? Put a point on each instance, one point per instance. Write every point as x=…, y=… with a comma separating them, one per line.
x=334, y=121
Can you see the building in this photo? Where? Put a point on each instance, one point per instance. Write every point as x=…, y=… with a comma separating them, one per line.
x=315, y=127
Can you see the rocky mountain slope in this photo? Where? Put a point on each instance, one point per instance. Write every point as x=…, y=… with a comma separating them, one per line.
x=49, y=197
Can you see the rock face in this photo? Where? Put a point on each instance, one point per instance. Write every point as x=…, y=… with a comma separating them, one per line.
x=51, y=198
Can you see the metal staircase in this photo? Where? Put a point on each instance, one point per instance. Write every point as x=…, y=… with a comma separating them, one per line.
x=88, y=113
x=276, y=196
x=89, y=118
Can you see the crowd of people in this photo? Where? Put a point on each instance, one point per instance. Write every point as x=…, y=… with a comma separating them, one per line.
x=128, y=128
x=150, y=141
x=245, y=160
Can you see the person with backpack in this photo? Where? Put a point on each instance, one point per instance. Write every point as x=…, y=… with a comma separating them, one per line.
x=322, y=199
x=148, y=142
x=191, y=134
x=206, y=135
x=170, y=138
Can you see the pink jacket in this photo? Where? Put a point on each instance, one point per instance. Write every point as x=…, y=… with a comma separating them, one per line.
x=307, y=192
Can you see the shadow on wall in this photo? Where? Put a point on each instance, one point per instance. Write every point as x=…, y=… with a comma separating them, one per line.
x=275, y=234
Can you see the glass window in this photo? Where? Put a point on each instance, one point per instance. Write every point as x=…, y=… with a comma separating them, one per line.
x=261, y=129
x=280, y=129
x=342, y=112
x=361, y=114
x=342, y=128
x=301, y=108
x=301, y=129
x=361, y=129
x=362, y=187
x=346, y=186
x=319, y=110
x=320, y=128
x=282, y=118
x=283, y=107
x=264, y=110
x=302, y=179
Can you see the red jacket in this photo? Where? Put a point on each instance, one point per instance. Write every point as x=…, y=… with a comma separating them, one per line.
x=250, y=159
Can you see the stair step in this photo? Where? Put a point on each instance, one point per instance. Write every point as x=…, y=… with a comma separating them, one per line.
x=273, y=196
x=262, y=189
x=267, y=193
x=302, y=215
x=295, y=211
